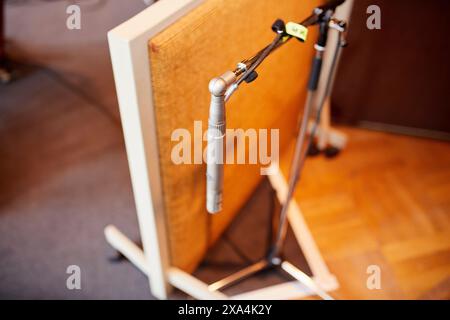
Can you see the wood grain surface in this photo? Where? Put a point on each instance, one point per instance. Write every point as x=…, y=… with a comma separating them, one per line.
x=385, y=201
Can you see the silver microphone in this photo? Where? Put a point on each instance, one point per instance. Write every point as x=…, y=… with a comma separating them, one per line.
x=216, y=136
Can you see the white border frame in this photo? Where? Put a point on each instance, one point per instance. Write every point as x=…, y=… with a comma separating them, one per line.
x=128, y=44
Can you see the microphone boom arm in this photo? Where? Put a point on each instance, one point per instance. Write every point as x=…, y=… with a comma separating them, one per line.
x=221, y=89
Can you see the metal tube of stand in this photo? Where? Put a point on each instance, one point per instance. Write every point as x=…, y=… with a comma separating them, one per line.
x=273, y=255
x=297, y=165
x=298, y=159
x=296, y=175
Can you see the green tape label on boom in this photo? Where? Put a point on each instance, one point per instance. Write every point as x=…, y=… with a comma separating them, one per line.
x=297, y=30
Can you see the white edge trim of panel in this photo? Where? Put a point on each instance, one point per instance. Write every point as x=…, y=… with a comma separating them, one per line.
x=128, y=44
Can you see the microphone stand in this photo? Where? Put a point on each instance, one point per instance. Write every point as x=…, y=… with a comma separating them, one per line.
x=300, y=153
x=246, y=69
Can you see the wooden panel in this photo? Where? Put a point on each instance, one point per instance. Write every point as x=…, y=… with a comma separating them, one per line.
x=183, y=58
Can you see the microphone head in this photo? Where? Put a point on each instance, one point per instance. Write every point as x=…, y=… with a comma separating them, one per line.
x=217, y=86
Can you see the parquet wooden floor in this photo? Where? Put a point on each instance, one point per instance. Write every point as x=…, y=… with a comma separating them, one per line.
x=384, y=201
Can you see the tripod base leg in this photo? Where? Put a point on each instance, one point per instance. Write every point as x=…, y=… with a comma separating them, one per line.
x=304, y=279
x=238, y=276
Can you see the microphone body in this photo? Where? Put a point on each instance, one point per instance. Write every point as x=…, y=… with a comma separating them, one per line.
x=216, y=136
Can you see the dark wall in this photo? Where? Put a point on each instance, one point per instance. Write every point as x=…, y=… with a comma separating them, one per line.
x=399, y=75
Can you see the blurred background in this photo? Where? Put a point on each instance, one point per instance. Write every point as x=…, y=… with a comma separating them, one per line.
x=63, y=167
x=384, y=199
